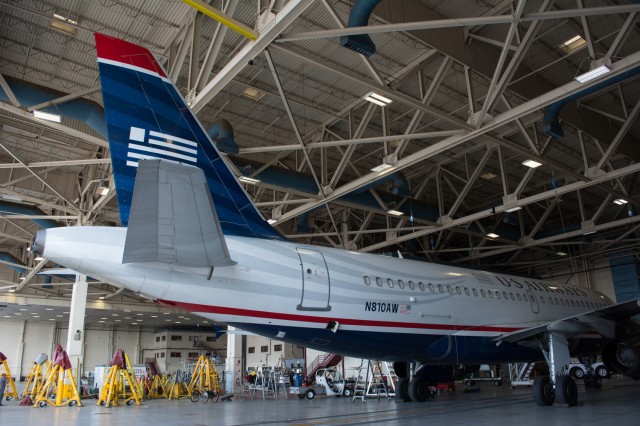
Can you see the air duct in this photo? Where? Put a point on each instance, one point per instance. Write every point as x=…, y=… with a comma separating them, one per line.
x=359, y=17
x=12, y=262
x=221, y=133
x=29, y=94
x=552, y=126
x=11, y=208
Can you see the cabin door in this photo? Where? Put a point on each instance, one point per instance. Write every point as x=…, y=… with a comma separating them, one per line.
x=316, y=288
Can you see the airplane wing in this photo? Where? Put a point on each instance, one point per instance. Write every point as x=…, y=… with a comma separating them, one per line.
x=173, y=219
x=602, y=321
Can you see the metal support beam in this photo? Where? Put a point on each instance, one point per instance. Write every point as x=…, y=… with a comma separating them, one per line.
x=587, y=33
x=62, y=163
x=621, y=134
x=622, y=35
x=472, y=180
x=219, y=16
x=285, y=17
x=460, y=22
x=12, y=97
x=65, y=98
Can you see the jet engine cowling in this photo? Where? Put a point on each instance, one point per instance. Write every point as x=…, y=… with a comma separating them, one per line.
x=623, y=357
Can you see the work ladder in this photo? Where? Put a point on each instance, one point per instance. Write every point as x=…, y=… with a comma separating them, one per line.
x=360, y=389
x=520, y=374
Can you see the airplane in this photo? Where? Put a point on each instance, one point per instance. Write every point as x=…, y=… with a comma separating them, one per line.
x=192, y=239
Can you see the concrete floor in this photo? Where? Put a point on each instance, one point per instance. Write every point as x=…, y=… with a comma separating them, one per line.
x=615, y=404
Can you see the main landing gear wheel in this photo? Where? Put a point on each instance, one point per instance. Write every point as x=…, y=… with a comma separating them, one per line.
x=403, y=389
x=566, y=391
x=418, y=390
x=543, y=392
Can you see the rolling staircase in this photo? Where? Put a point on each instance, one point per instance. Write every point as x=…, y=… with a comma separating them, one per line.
x=322, y=361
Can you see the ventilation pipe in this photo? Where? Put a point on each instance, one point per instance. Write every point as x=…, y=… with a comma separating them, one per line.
x=552, y=125
x=29, y=94
x=359, y=17
x=11, y=208
x=221, y=133
x=12, y=262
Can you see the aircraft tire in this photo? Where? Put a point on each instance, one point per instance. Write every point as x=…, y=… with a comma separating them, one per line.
x=543, y=392
x=418, y=390
x=566, y=391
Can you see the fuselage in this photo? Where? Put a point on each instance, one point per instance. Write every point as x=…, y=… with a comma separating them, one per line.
x=351, y=303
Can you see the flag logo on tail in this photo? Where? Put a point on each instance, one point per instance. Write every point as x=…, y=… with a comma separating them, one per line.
x=156, y=145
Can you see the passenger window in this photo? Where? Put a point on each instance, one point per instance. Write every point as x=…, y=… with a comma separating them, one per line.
x=449, y=289
x=573, y=303
x=400, y=283
x=390, y=282
x=519, y=297
x=475, y=292
x=431, y=287
x=412, y=286
x=526, y=299
x=379, y=281
x=466, y=291
x=490, y=293
x=505, y=295
x=557, y=301
x=551, y=300
x=440, y=289
x=562, y=302
x=458, y=290
x=421, y=286
x=483, y=293
x=497, y=294
x=512, y=296
x=367, y=280
x=542, y=300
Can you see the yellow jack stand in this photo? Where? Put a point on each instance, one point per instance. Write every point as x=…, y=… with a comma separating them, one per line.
x=177, y=387
x=11, y=392
x=60, y=381
x=118, y=377
x=204, y=377
x=36, y=379
x=156, y=389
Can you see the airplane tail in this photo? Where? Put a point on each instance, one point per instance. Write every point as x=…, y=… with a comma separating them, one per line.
x=147, y=118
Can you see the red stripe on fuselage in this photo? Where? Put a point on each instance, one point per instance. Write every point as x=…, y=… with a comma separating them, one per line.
x=122, y=51
x=222, y=310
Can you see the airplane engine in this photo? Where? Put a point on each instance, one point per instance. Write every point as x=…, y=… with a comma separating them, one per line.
x=623, y=357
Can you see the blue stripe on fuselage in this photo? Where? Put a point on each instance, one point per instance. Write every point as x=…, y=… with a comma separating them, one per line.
x=135, y=99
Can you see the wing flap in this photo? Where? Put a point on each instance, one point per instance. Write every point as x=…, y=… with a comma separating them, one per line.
x=602, y=321
x=173, y=219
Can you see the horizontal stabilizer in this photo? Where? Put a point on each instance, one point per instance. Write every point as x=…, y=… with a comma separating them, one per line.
x=173, y=219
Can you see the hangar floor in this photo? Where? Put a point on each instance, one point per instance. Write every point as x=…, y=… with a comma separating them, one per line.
x=615, y=404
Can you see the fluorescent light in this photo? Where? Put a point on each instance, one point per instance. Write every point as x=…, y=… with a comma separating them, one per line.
x=513, y=209
x=101, y=297
x=272, y=221
x=377, y=99
x=12, y=290
x=532, y=164
x=561, y=253
x=394, y=212
x=381, y=167
x=65, y=19
x=249, y=180
x=620, y=201
x=598, y=68
x=39, y=258
x=492, y=235
x=46, y=116
x=103, y=190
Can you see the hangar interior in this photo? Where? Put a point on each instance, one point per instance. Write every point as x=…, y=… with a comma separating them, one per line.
x=456, y=132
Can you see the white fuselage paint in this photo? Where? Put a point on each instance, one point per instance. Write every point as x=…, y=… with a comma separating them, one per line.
x=287, y=285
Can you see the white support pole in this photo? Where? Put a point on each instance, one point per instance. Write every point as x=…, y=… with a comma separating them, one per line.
x=234, y=360
x=75, y=336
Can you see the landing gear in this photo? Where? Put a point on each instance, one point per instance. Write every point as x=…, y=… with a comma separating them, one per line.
x=418, y=390
x=543, y=392
x=566, y=391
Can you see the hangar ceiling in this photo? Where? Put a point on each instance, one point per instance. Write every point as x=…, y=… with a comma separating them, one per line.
x=477, y=87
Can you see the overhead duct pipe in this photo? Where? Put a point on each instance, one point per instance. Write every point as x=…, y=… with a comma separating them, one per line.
x=359, y=17
x=11, y=208
x=12, y=262
x=552, y=126
x=29, y=94
x=221, y=133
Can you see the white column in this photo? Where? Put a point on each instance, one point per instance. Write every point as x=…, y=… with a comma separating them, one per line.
x=20, y=353
x=234, y=359
x=75, y=336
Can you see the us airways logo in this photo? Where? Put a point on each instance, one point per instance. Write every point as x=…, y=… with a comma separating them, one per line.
x=156, y=145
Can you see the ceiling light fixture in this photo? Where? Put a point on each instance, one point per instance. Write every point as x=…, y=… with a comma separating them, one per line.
x=63, y=24
x=620, y=201
x=513, y=209
x=103, y=190
x=249, y=180
x=387, y=162
x=574, y=43
x=381, y=167
x=561, y=253
x=531, y=164
x=47, y=116
x=272, y=221
x=492, y=235
x=253, y=93
x=598, y=69
x=488, y=176
x=377, y=99
x=394, y=212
